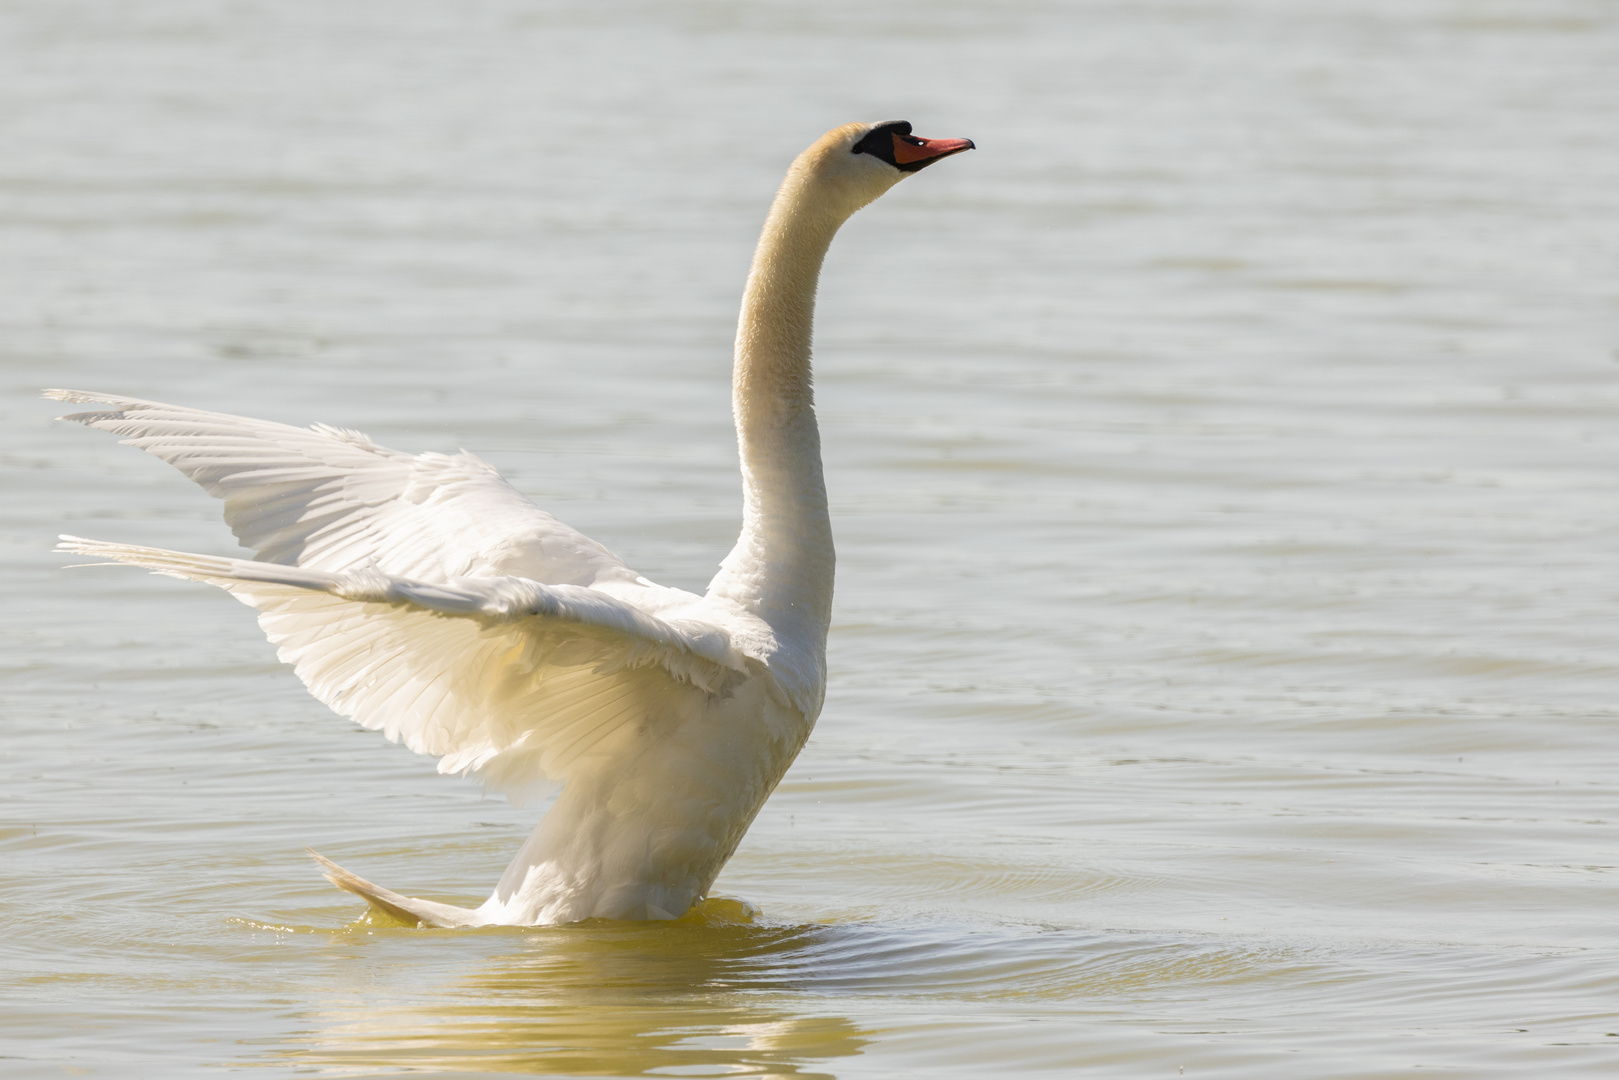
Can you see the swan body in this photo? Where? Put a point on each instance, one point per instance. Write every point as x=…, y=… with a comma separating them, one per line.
x=424, y=597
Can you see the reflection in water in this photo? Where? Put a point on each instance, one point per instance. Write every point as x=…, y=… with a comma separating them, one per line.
x=597, y=999
x=713, y=995
x=544, y=1033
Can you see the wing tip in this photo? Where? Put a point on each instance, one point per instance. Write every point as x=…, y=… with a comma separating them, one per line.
x=372, y=894
x=406, y=909
x=116, y=404
x=68, y=544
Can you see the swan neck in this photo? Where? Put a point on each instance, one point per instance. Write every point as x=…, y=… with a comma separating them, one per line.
x=776, y=329
x=781, y=568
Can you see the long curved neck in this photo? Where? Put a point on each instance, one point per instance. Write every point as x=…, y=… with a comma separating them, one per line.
x=781, y=568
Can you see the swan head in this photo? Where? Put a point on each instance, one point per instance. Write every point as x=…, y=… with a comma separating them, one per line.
x=851, y=165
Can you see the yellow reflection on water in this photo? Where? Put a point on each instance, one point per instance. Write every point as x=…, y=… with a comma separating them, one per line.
x=593, y=999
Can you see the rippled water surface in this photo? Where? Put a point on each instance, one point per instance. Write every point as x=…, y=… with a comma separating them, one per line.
x=1223, y=465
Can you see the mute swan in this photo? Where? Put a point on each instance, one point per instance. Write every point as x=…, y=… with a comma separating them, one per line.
x=424, y=597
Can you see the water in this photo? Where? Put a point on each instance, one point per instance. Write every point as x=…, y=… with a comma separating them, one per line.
x=1222, y=460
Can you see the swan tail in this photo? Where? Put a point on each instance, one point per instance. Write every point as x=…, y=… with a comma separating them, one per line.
x=406, y=909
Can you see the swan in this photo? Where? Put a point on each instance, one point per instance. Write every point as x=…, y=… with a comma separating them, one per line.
x=424, y=597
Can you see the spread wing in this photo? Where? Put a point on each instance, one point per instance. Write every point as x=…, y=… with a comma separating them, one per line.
x=505, y=677
x=330, y=499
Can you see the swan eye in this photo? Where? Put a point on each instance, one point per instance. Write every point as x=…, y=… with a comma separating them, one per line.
x=879, y=141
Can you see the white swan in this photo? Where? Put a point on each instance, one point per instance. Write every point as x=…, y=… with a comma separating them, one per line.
x=424, y=597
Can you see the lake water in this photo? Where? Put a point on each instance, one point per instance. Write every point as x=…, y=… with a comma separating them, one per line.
x=1222, y=457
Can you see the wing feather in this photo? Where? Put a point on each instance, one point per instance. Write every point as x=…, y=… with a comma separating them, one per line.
x=332, y=499
x=507, y=678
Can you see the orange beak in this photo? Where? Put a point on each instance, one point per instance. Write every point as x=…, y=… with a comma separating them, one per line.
x=908, y=149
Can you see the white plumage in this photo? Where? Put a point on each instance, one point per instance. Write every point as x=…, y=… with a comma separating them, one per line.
x=426, y=598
